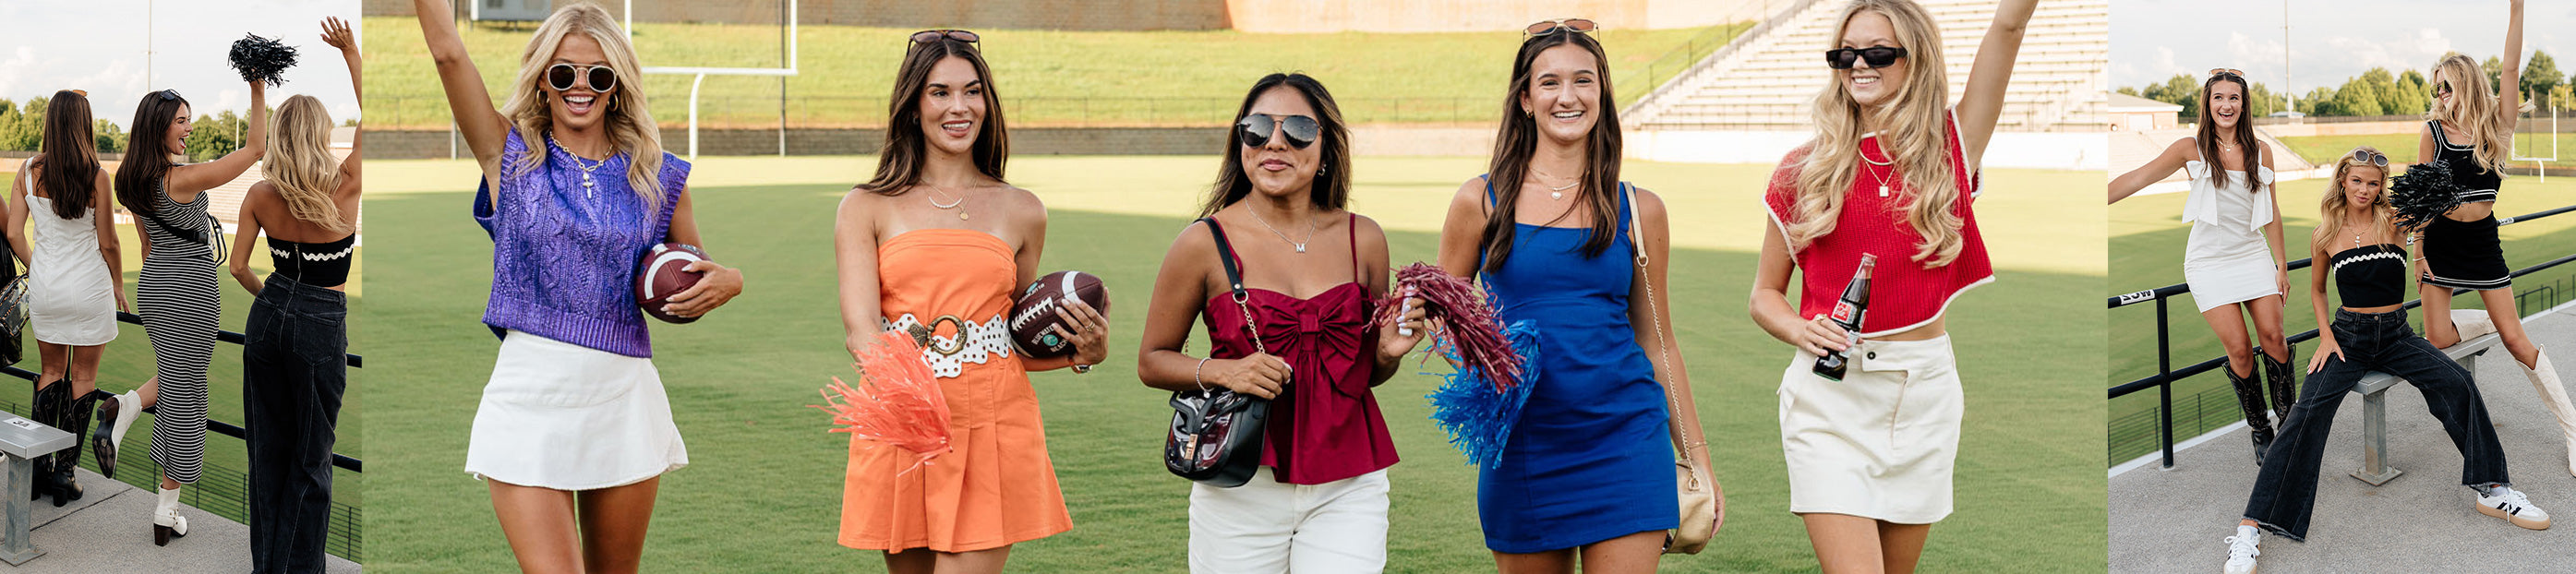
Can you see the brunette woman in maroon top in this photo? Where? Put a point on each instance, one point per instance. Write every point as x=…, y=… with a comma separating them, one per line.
x=1311, y=271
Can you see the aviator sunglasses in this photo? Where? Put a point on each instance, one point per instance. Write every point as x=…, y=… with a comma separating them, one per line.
x=1254, y=130
x=1545, y=27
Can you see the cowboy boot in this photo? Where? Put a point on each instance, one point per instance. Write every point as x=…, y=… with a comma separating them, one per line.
x=2544, y=380
x=166, y=521
x=114, y=418
x=2472, y=323
x=75, y=415
x=41, y=410
x=2278, y=376
x=2249, y=396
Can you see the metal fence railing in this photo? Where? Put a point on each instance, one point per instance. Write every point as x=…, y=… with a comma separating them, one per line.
x=220, y=489
x=2202, y=408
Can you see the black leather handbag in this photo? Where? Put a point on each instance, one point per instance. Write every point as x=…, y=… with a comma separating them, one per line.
x=1216, y=433
x=13, y=312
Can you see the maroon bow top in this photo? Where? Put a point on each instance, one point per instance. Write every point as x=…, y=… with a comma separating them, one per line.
x=1325, y=426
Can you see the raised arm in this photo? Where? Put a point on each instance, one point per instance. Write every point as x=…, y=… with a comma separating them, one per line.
x=1983, y=100
x=336, y=33
x=2510, y=89
x=2176, y=154
x=480, y=124
x=185, y=182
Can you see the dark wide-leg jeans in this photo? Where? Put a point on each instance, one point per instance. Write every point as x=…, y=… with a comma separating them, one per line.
x=2286, y=490
x=294, y=369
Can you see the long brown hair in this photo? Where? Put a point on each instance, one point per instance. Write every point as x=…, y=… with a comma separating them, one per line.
x=2251, y=149
x=138, y=178
x=1517, y=141
x=71, y=154
x=899, y=162
x=1332, y=186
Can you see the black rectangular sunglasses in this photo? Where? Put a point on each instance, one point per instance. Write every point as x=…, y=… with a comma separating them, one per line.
x=1255, y=129
x=1877, y=56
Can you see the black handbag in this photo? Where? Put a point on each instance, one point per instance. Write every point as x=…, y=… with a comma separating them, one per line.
x=1216, y=433
x=13, y=313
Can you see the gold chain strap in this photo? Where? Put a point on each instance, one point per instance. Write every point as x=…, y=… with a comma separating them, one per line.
x=1655, y=314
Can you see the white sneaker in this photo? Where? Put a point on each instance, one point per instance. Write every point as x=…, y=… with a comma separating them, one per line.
x=2241, y=550
x=2512, y=506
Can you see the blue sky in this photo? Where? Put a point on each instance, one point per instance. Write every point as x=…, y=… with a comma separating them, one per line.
x=2328, y=41
x=99, y=46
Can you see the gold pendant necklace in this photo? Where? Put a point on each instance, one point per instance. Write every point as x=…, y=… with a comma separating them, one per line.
x=952, y=204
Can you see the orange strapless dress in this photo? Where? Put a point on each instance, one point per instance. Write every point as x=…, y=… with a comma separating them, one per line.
x=953, y=288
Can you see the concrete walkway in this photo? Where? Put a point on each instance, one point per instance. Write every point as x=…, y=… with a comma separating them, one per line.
x=2423, y=521
x=110, y=530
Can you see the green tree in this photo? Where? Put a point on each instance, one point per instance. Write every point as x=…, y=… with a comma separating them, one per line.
x=2318, y=102
x=2413, y=94
x=215, y=136
x=2359, y=96
x=2495, y=72
x=2540, y=75
x=110, y=138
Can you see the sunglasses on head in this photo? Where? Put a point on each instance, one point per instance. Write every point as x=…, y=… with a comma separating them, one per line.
x=1545, y=27
x=2363, y=156
x=169, y=94
x=1878, y=57
x=1255, y=130
x=562, y=76
x=928, y=36
x=2218, y=72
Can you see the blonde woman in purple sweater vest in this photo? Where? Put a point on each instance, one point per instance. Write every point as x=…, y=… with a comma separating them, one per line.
x=574, y=430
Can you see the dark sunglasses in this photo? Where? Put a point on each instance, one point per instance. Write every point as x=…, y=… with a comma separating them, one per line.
x=2442, y=89
x=1878, y=57
x=1545, y=27
x=169, y=94
x=928, y=36
x=1254, y=130
x=2369, y=157
x=600, y=78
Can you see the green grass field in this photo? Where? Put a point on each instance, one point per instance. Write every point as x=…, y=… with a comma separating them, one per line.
x=762, y=492
x=127, y=362
x=2147, y=237
x=1046, y=77
x=2402, y=147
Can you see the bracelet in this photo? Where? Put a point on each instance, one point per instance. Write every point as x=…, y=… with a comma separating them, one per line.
x=1081, y=369
x=1194, y=373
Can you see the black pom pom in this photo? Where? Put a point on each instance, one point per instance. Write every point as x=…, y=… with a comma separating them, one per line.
x=262, y=59
x=2424, y=192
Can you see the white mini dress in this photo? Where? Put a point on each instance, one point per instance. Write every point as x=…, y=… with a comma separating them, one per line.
x=2227, y=259
x=69, y=298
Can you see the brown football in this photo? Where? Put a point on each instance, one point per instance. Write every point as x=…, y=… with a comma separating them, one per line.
x=662, y=274
x=1035, y=312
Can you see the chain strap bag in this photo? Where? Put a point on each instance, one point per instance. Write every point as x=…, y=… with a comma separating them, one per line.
x=1703, y=502
x=1216, y=433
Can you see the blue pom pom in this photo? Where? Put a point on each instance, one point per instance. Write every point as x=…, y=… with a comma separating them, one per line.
x=1479, y=420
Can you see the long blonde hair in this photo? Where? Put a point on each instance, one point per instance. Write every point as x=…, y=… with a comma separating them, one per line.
x=2331, y=207
x=2473, y=111
x=300, y=165
x=1915, y=136
x=629, y=121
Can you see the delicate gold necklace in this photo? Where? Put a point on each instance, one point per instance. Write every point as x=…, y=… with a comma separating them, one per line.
x=1300, y=245
x=952, y=204
x=1874, y=174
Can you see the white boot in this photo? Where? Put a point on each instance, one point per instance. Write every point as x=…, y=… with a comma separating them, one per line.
x=166, y=521
x=2544, y=380
x=112, y=427
x=2471, y=323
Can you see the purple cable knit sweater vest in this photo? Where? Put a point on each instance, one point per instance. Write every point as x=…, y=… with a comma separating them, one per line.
x=564, y=256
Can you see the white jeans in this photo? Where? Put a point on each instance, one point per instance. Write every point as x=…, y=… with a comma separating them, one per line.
x=1268, y=527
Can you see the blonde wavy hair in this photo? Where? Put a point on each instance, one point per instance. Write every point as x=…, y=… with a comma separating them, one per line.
x=2473, y=110
x=1915, y=136
x=628, y=119
x=300, y=165
x=2330, y=208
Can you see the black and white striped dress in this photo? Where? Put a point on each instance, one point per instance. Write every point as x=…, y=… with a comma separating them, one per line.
x=176, y=297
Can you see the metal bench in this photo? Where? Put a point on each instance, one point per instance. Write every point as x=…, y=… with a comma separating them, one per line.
x=23, y=440
x=2374, y=409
